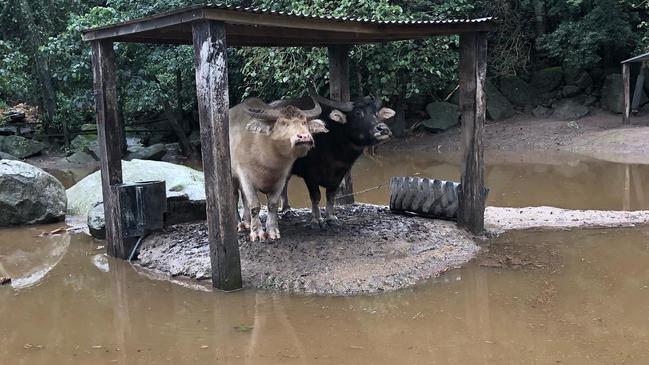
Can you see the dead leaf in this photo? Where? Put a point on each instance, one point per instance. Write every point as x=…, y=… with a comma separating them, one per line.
x=243, y=328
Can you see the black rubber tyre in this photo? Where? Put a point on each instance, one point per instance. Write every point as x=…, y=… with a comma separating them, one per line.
x=422, y=196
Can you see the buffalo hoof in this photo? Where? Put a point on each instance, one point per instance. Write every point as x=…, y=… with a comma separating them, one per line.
x=273, y=234
x=317, y=224
x=242, y=226
x=257, y=235
x=333, y=221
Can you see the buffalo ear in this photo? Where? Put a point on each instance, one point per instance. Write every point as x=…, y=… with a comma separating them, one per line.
x=338, y=116
x=259, y=126
x=385, y=114
x=317, y=126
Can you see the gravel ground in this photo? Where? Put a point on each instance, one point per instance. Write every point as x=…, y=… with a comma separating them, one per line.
x=374, y=251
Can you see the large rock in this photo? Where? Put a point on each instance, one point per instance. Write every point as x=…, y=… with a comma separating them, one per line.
x=81, y=158
x=584, y=81
x=195, y=138
x=569, y=91
x=29, y=195
x=6, y=156
x=569, y=110
x=612, y=94
x=90, y=127
x=443, y=115
x=97, y=221
x=541, y=112
x=153, y=152
x=20, y=147
x=518, y=92
x=498, y=107
x=180, y=181
x=547, y=79
x=84, y=142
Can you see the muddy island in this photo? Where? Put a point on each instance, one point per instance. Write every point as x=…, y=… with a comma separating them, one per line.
x=374, y=251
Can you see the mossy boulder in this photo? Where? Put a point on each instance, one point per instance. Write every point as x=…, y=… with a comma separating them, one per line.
x=519, y=92
x=84, y=142
x=443, y=116
x=153, y=152
x=21, y=147
x=547, y=79
x=498, y=107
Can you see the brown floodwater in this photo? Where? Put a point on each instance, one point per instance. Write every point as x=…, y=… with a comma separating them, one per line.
x=569, y=297
x=581, y=298
x=565, y=180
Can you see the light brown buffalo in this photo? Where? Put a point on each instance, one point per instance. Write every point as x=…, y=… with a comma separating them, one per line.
x=264, y=142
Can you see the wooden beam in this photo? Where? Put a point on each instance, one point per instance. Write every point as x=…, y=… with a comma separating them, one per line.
x=473, y=67
x=210, y=50
x=109, y=139
x=339, y=90
x=626, y=84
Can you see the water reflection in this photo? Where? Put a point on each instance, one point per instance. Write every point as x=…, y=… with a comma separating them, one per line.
x=28, y=256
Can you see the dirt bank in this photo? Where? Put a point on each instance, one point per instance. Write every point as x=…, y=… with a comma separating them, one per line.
x=374, y=251
x=600, y=135
x=499, y=220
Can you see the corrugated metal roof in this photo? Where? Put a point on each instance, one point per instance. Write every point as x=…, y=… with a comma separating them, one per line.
x=250, y=26
x=640, y=58
x=258, y=10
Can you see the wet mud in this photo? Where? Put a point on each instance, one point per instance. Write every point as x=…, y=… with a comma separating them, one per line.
x=373, y=251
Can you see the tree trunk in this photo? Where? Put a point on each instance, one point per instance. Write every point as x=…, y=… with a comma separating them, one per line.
x=539, y=12
x=399, y=123
x=42, y=67
x=175, y=122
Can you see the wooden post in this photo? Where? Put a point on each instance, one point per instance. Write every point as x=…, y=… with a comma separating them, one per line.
x=108, y=137
x=638, y=91
x=473, y=69
x=626, y=83
x=339, y=90
x=213, y=103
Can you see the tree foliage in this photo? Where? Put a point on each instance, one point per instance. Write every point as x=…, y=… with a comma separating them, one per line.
x=588, y=32
x=577, y=33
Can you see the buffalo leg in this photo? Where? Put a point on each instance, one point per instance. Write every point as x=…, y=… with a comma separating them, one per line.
x=314, y=194
x=251, y=200
x=272, y=229
x=245, y=222
x=284, y=198
x=331, y=218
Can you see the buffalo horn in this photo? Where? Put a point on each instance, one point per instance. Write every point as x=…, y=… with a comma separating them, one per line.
x=266, y=115
x=315, y=112
x=344, y=106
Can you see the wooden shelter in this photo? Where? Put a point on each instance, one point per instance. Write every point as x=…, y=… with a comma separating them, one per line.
x=213, y=28
x=632, y=104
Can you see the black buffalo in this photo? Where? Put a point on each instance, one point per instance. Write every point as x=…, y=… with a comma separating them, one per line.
x=352, y=127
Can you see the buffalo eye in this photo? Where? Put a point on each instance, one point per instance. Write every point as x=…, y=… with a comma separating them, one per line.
x=358, y=113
